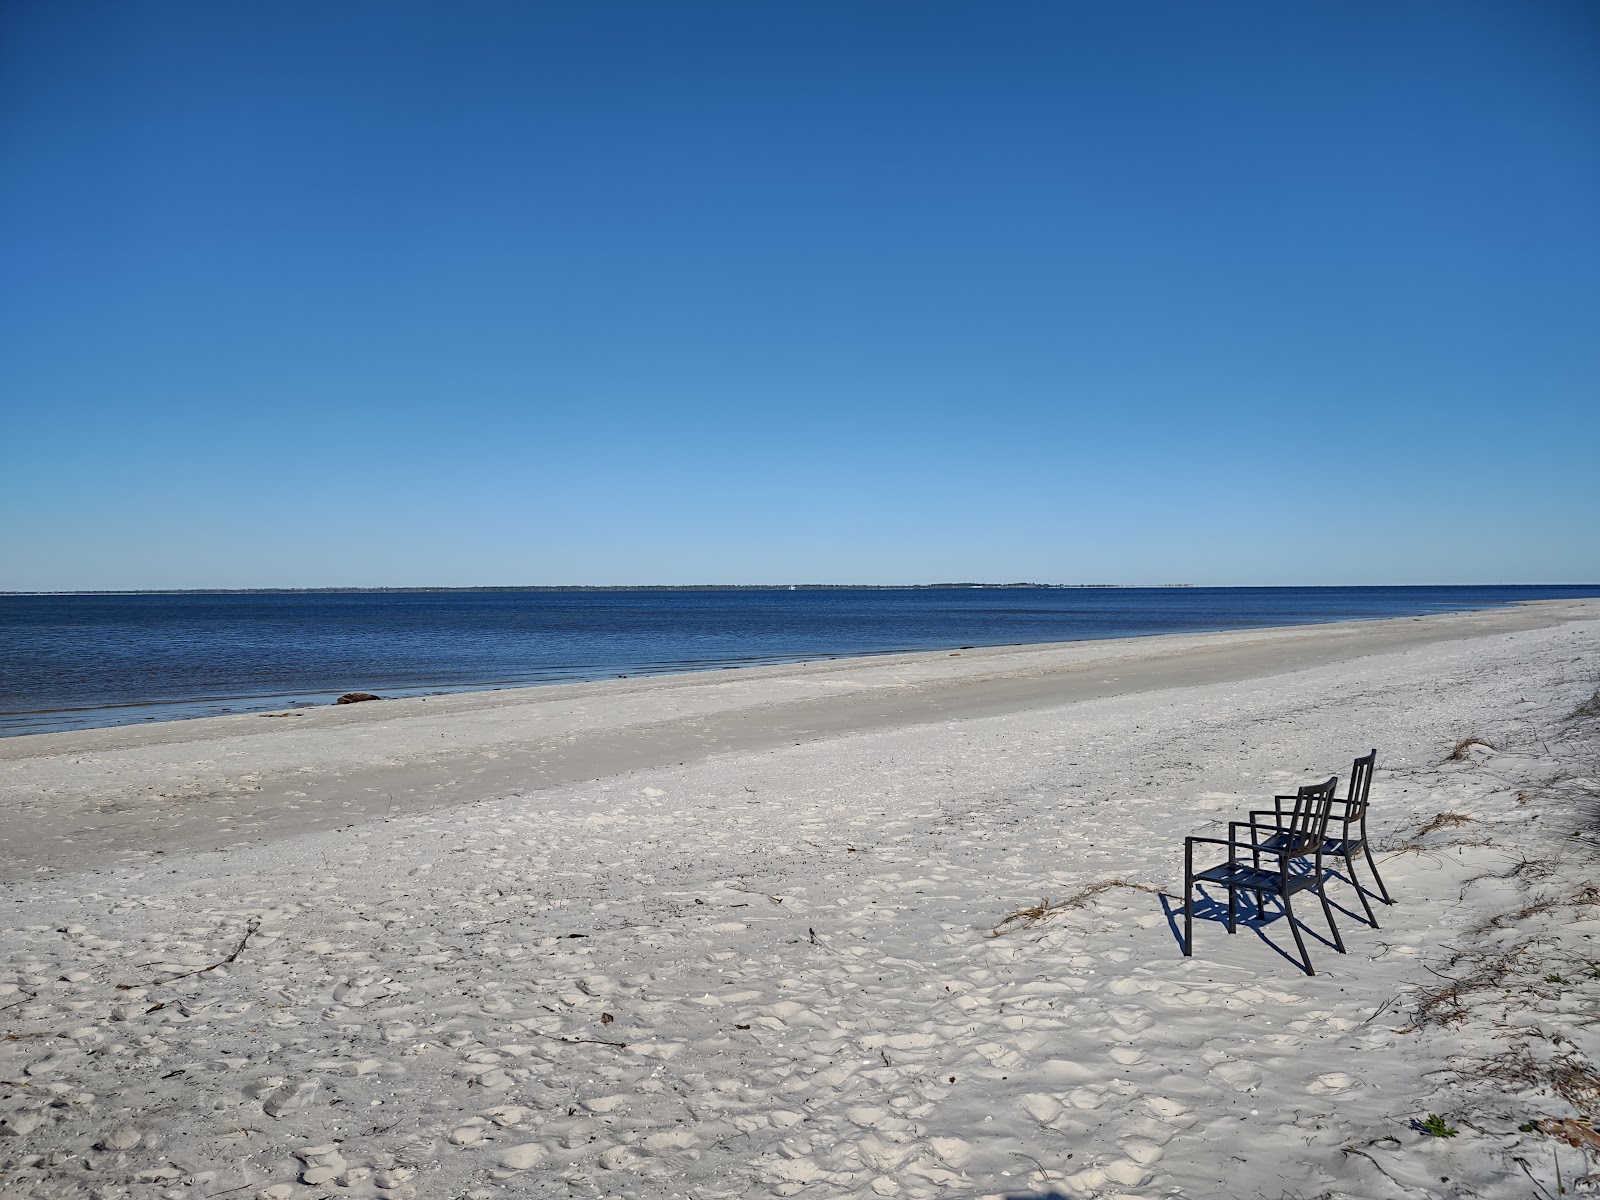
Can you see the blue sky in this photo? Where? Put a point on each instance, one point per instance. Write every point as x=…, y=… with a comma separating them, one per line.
x=301, y=294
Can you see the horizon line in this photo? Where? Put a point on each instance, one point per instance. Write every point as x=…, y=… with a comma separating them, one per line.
x=734, y=587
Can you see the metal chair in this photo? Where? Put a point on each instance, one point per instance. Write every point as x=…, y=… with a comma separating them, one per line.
x=1348, y=826
x=1297, y=841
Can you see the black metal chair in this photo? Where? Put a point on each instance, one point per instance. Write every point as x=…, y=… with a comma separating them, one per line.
x=1298, y=838
x=1347, y=828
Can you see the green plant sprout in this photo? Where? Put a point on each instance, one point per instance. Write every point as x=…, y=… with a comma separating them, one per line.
x=1436, y=1126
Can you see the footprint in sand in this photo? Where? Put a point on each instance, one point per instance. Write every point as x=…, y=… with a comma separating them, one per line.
x=866, y=1115
x=1086, y=1097
x=1041, y=1107
x=619, y=1158
x=1333, y=1081
x=1124, y=1172
x=1164, y=1109
x=670, y=1141
x=1142, y=1150
x=882, y=1154
x=523, y=1157
x=955, y=1152
x=1240, y=1076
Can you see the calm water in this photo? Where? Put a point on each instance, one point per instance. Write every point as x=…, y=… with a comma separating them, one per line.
x=73, y=661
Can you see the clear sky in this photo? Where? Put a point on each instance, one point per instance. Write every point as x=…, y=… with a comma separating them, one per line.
x=307, y=293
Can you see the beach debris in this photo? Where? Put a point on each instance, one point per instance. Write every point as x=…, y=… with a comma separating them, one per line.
x=573, y=1041
x=356, y=697
x=1027, y=918
x=1037, y=914
x=1460, y=749
x=251, y=929
x=1576, y=1132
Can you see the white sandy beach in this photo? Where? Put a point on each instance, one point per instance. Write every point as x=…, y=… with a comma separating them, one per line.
x=728, y=935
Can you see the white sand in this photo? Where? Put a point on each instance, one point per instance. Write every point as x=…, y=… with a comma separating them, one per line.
x=727, y=935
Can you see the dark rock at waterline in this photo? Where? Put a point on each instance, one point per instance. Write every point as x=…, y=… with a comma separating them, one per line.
x=356, y=697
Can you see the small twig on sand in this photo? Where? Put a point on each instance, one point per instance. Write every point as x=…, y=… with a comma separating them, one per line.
x=1376, y=1013
x=1362, y=1152
x=249, y=932
x=1043, y=1171
x=554, y=1037
x=1523, y=1163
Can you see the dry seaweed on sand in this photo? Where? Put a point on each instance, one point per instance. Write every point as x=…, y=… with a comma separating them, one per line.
x=1445, y=820
x=1460, y=749
x=1037, y=914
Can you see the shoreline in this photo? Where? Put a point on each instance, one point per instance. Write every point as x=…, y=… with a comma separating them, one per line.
x=735, y=937
x=215, y=699
x=94, y=796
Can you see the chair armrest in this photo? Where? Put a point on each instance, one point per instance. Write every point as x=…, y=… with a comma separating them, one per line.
x=1253, y=827
x=1215, y=841
x=1257, y=847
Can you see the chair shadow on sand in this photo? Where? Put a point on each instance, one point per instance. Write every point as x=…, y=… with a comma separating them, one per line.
x=1266, y=919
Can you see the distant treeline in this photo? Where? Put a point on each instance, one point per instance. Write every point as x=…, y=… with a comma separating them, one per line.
x=646, y=587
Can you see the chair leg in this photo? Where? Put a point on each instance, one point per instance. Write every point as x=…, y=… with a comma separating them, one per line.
x=1233, y=907
x=1382, y=890
x=1188, y=916
x=1294, y=928
x=1327, y=911
x=1350, y=870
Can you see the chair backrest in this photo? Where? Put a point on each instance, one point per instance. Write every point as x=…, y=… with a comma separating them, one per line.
x=1360, y=787
x=1308, y=822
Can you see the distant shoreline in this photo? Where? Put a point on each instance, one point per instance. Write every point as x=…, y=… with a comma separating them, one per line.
x=614, y=587
x=757, y=587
